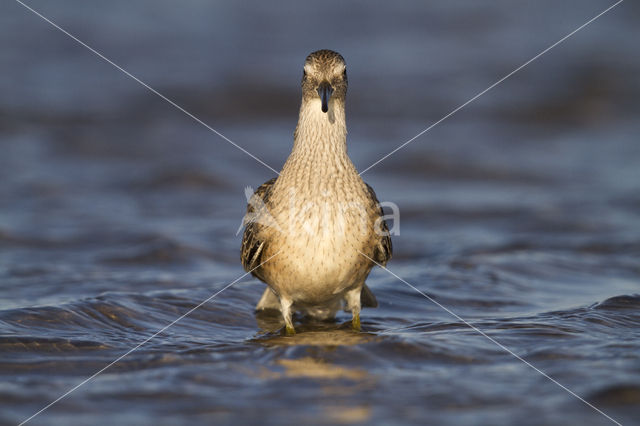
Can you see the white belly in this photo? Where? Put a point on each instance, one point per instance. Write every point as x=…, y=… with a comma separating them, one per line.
x=320, y=258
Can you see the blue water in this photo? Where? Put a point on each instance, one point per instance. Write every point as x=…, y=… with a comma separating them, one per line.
x=520, y=213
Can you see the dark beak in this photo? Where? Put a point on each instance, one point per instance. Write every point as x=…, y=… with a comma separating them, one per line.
x=325, y=91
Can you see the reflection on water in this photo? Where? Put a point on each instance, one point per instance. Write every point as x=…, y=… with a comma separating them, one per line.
x=333, y=381
x=521, y=214
x=312, y=335
x=308, y=367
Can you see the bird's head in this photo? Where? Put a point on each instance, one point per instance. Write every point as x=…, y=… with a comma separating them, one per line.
x=324, y=77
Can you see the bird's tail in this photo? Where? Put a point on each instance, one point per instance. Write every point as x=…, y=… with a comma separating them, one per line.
x=367, y=298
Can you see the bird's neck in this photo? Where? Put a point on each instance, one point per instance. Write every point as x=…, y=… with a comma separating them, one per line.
x=318, y=164
x=321, y=134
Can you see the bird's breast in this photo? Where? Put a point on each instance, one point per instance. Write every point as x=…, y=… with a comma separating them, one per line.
x=321, y=235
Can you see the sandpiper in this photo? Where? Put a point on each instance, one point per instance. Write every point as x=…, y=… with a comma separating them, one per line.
x=318, y=217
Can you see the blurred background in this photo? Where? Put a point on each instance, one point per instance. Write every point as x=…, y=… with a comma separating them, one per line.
x=520, y=213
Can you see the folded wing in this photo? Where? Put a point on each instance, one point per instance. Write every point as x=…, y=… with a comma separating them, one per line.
x=252, y=247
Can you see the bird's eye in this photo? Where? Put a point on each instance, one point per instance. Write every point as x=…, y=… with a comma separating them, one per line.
x=344, y=73
x=304, y=73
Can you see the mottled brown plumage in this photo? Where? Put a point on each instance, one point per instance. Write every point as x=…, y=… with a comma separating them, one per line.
x=318, y=217
x=251, y=254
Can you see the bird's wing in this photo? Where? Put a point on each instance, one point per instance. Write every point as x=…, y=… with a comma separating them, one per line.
x=252, y=246
x=384, y=249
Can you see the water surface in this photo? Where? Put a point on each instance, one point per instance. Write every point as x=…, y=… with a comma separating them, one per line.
x=521, y=214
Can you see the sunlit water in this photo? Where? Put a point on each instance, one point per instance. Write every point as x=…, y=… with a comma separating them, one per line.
x=520, y=214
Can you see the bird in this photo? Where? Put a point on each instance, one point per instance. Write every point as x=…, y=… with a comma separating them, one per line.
x=314, y=233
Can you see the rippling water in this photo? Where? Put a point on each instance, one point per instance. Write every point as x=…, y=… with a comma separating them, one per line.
x=520, y=214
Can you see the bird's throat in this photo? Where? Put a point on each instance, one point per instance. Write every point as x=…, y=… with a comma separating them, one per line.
x=321, y=132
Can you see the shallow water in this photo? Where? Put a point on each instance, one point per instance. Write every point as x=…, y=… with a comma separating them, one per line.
x=520, y=214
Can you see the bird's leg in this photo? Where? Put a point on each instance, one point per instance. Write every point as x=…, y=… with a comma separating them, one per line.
x=353, y=304
x=285, y=307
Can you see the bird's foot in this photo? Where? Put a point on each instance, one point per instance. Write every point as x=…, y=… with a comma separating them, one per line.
x=290, y=330
x=355, y=322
